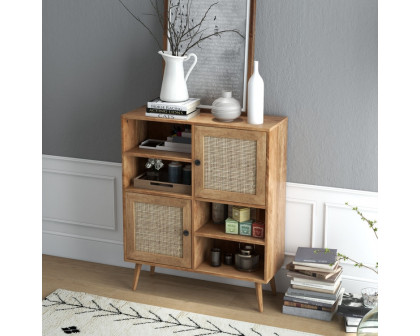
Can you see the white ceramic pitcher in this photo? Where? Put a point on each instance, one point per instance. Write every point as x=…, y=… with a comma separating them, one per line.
x=174, y=85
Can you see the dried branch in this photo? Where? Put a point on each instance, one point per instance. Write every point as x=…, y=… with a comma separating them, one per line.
x=142, y=23
x=181, y=31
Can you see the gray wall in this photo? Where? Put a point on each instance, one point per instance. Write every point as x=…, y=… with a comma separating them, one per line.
x=318, y=59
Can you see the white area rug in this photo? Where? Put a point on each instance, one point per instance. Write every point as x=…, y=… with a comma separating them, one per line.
x=66, y=312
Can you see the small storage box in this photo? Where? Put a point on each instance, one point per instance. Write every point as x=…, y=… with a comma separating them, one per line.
x=231, y=226
x=241, y=214
x=245, y=228
x=143, y=182
x=258, y=229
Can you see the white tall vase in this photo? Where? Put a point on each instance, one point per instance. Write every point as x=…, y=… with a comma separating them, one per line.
x=255, y=97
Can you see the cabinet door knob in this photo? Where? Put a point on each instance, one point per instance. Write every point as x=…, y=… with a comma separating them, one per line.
x=186, y=233
x=197, y=162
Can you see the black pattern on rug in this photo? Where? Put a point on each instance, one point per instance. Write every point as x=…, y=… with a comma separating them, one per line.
x=181, y=328
x=70, y=330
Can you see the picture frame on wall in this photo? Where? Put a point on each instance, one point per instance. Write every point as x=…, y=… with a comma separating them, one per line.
x=225, y=62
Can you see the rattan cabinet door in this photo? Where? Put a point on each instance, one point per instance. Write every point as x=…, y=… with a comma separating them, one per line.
x=230, y=164
x=158, y=230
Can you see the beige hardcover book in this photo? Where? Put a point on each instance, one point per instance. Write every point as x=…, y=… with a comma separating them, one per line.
x=316, y=269
x=328, y=276
x=320, y=290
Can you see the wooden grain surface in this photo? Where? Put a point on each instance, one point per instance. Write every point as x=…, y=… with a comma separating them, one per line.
x=207, y=119
x=203, y=297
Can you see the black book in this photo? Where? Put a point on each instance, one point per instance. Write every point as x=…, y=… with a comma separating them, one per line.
x=165, y=111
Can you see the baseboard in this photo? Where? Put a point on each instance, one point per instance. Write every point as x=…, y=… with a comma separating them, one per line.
x=82, y=219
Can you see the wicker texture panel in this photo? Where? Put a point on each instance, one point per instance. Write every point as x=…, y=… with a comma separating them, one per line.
x=158, y=229
x=230, y=164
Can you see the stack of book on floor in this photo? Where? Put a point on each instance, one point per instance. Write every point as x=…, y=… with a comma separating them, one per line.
x=178, y=111
x=353, y=310
x=315, y=288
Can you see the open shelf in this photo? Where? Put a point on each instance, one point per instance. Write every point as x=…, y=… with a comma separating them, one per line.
x=155, y=153
x=228, y=271
x=156, y=192
x=216, y=231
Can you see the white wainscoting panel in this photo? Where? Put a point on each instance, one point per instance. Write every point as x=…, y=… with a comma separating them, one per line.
x=82, y=219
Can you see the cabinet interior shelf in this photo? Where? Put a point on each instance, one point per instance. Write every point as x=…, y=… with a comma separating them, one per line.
x=249, y=205
x=156, y=192
x=216, y=231
x=161, y=154
x=228, y=271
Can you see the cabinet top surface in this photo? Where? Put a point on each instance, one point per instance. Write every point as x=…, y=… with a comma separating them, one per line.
x=207, y=119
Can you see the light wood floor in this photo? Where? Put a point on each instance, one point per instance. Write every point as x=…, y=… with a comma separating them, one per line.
x=233, y=302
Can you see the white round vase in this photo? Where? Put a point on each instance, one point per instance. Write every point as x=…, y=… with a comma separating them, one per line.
x=226, y=108
x=255, y=97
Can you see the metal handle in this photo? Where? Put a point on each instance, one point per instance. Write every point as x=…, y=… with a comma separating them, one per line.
x=197, y=162
x=186, y=233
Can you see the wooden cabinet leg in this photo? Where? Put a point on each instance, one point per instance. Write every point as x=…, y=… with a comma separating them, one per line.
x=136, y=276
x=258, y=289
x=152, y=270
x=273, y=286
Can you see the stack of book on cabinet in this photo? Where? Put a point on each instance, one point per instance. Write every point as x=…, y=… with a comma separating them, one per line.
x=353, y=310
x=315, y=288
x=178, y=111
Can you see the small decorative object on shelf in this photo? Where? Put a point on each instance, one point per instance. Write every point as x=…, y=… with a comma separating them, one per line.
x=157, y=163
x=174, y=172
x=247, y=259
x=231, y=226
x=241, y=214
x=215, y=256
x=228, y=259
x=258, y=229
x=255, y=97
x=245, y=228
x=186, y=174
x=226, y=108
x=218, y=213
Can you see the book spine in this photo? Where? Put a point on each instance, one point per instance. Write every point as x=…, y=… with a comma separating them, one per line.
x=306, y=306
x=310, y=302
x=323, y=267
x=318, y=295
x=166, y=107
x=315, y=314
x=157, y=110
x=315, y=275
x=167, y=116
x=311, y=284
x=311, y=288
